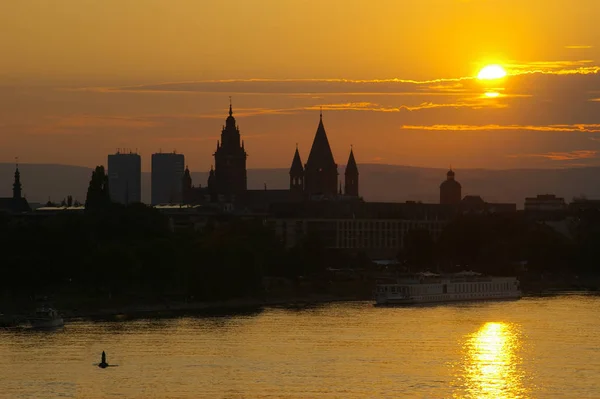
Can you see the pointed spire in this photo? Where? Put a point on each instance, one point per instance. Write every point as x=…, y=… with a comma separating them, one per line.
x=230, y=110
x=320, y=153
x=351, y=167
x=296, y=163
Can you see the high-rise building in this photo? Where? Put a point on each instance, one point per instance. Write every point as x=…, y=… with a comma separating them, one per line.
x=167, y=175
x=125, y=177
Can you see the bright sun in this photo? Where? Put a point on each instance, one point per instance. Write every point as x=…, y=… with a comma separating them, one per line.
x=491, y=72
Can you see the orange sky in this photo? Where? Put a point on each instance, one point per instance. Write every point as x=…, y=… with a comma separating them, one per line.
x=80, y=78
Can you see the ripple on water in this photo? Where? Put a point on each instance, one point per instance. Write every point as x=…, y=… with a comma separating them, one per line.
x=532, y=348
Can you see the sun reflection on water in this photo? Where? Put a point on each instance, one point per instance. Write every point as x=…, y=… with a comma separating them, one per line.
x=492, y=364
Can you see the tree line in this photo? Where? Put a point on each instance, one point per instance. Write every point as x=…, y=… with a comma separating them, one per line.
x=117, y=251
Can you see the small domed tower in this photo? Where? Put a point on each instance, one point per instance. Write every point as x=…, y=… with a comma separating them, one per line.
x=450, y=190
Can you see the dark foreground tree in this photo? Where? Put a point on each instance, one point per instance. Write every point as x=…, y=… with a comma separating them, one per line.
x=98, y=196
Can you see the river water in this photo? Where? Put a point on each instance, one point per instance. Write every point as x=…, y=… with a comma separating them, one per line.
x=532, y=348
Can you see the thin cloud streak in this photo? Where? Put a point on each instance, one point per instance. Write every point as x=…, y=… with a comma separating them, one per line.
x=156, y=120
x=589, y=128
x=560, y=156
x=311, y=87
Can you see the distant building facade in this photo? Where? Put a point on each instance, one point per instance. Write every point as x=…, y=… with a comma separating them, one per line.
x=474, y=204
x=450, y=190
x=545, y=203
x=125, y=177
x=376, y=228
x=17, y=203
x=579, y=205
x=167, y=174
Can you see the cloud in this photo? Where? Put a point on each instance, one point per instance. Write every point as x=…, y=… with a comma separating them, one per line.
x=578, y=47
x=581, y=67
x=374, y=107
x=590, y=128
x=560, y=156
x=315, y=87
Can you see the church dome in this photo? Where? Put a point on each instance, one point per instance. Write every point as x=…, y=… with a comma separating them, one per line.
x=450, y=181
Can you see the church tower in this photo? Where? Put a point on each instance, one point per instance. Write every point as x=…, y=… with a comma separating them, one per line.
x=297, y=174
x=17, y=188
x=320, y=171
x=450, y=190
x=351, y=176
x=230, y=160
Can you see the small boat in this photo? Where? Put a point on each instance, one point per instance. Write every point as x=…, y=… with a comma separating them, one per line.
x=46, y=317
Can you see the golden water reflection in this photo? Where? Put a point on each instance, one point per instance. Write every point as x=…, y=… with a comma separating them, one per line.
x=492, y=364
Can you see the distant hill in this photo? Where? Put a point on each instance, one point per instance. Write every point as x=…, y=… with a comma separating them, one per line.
x=392, y=183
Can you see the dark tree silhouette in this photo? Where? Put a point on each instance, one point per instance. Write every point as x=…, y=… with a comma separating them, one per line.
x=418, y=249
x=97, y=195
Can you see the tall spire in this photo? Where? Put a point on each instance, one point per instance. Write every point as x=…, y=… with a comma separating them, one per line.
x=230, y=110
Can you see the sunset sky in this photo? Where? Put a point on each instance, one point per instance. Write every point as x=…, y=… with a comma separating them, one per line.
x=395, y=78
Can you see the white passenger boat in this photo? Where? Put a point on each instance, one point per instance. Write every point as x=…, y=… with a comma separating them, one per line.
x=430, y=288
x=46, y=318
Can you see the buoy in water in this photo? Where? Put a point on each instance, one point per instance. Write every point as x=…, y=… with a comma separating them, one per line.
x=103, y=363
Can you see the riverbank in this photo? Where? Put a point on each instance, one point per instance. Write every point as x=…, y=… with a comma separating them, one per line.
x=176, y=308
x=535, y=285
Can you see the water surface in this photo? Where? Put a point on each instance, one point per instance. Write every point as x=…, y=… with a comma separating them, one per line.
x=533, y=348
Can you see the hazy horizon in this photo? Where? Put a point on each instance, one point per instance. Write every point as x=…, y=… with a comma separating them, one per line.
x=383, y=183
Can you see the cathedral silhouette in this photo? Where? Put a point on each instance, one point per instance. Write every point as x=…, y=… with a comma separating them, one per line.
x=227, y=181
